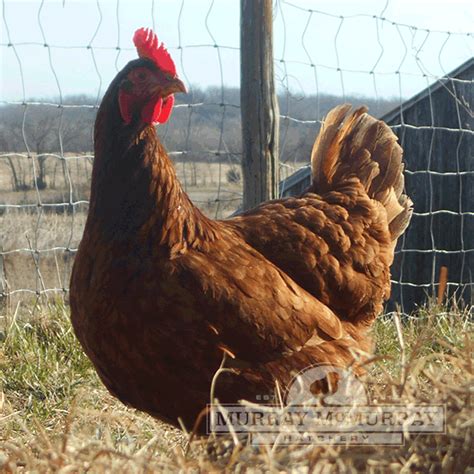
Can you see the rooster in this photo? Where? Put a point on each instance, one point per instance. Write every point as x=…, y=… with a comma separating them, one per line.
x=159, y=292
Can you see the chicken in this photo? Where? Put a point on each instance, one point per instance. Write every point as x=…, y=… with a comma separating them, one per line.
x=159, y=292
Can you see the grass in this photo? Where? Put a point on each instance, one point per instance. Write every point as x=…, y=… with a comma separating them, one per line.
x=56, y=416
x=53, y=403
x=43, y=365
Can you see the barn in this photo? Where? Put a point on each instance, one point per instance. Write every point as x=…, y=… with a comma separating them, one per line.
x=436, y=131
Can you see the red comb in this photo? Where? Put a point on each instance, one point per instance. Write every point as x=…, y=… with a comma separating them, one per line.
x=148, y=46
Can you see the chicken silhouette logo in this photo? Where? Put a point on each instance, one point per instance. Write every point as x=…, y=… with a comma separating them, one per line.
x=341, y=385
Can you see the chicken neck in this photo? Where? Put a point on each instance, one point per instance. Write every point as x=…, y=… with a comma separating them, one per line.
x=135, y=192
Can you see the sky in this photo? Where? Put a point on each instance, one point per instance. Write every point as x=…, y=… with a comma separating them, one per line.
x=382, y=48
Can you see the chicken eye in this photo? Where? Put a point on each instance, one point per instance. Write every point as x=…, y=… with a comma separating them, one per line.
x=141, y=75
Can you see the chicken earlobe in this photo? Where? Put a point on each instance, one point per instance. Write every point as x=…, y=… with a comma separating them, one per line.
x=125, y=102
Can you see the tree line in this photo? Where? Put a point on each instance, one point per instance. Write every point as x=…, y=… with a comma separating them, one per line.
x=204, y=127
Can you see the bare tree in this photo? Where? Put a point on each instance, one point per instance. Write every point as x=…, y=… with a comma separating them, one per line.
x=49, y=130
x=46, y=130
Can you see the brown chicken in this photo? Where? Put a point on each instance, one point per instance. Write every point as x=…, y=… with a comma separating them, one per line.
x=160, y=292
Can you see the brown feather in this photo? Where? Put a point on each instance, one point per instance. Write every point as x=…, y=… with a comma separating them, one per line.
x=159, y=291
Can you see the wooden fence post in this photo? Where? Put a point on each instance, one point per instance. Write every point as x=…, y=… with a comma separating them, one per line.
x=443, y=283
x=259, y=105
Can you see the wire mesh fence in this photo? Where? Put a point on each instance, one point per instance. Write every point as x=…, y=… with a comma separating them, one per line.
x=321, y=59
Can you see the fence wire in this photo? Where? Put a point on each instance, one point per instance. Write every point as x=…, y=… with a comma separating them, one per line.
x=45, y=168
x=435, y=129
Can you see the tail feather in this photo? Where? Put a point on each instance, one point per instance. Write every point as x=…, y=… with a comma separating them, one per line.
x=352, y=143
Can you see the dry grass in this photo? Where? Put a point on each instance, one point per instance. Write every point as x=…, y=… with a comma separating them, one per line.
x=34, y=237
x=56, y=416
x=23, y=231
x=76, y=171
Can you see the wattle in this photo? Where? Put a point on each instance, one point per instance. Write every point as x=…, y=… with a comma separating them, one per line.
x=158, y=111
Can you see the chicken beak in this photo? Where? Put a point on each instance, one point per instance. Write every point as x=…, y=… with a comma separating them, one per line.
x=179, y=86
x=173, y=86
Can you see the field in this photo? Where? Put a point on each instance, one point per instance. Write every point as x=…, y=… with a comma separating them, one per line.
x=55, y=416
x=34, y=238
